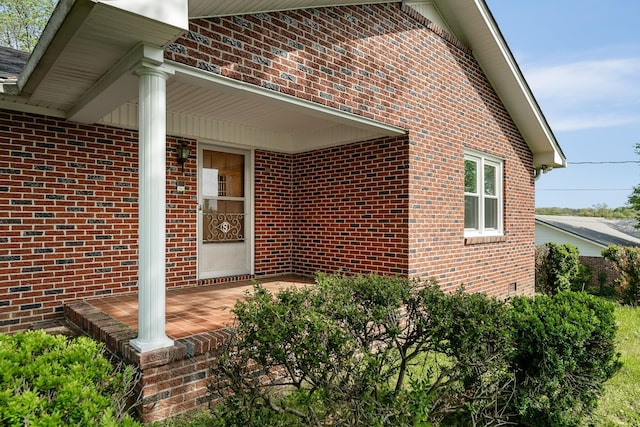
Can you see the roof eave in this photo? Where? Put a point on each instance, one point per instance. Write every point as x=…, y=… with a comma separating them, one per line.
x=53, y=36
x=77, y=27
x=474, y=24
x=570, y=233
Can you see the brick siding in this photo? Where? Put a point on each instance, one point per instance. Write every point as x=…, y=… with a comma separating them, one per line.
x=604, y=274
x=68, y=192
x=68, y=228
x=387, y=63
x=351, y=208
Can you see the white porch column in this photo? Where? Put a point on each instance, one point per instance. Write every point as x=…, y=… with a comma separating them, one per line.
x=152, y=209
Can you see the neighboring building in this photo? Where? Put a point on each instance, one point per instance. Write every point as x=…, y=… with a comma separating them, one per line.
x=390, y=137
x=11, y=63
x=590, y=235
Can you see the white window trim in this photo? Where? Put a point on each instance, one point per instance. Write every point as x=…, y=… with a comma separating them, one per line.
x=483, y=159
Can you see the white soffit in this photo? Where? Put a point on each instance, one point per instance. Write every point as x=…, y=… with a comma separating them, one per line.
x=83, y=41
x=208, y=8
x=169, y=12
x=429, y=10
x=207, y=105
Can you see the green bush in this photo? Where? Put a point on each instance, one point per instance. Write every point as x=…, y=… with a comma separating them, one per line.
x=367, y=351
x=626, y=263
x=581, y=282
x=375, y=351
x=564, y=352
x=46, y=380
x=557, y=268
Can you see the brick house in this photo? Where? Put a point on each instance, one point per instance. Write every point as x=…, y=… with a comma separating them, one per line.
x=389, y=137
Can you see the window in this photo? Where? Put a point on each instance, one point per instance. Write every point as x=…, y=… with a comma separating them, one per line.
x=483, y=199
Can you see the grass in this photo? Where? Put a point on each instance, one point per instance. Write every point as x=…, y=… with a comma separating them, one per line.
x=196, y=419
x=620, y=404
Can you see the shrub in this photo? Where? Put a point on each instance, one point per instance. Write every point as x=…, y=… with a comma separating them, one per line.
x=626, y=263
x=541, y=254
x=557, y=268
x=47, y=380
x=367, y=351
x=375, y=351
x=582, y=280
x=564, y=351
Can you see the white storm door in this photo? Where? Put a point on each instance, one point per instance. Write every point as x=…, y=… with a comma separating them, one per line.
x=224, y=223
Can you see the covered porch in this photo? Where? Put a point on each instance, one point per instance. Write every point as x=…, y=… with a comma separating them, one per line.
x=174, y=379
x=189, y=311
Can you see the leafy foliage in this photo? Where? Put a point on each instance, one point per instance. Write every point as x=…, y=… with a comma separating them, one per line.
x=22, y=21
x=626, y=262
x=380, y=351
x=347, y=351
x=558, y=268
x=599, y=210
x=564, y=353
x=47, y=380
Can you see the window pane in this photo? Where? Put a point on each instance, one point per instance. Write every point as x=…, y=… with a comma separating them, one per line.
x=222, y=174
x=491, y=213
x=470, y=212
x=470, y=176
x=489, y=180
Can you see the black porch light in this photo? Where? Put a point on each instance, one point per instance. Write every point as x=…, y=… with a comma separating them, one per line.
x=183, y=153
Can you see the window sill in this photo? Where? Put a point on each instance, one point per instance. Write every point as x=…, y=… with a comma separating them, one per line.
x=479, y=240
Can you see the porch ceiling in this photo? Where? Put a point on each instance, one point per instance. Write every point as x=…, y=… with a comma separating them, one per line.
x=200, y=104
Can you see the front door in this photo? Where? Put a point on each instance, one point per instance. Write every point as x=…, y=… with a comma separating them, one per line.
x=224, y=226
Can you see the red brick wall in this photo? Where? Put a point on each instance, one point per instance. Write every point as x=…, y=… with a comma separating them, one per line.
x=273, y=212
x=69, y=216
x=387, y=63
x=351, y=205
x=604, y=274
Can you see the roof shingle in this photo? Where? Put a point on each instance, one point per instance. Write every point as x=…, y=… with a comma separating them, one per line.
x=12, y=62
x=621, y=232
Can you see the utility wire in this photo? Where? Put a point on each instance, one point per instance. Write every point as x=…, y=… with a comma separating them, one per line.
x=604, y=162
x=584, y=189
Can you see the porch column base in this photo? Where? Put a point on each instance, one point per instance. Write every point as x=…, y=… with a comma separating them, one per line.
x=143, y=346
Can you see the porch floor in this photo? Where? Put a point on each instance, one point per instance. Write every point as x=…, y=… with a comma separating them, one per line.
x=194, y=310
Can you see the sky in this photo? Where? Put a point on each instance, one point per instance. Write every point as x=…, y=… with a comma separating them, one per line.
x=581, y=59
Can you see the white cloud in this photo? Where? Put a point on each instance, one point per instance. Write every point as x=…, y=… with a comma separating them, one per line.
x=586, y=80
x=567, y=122
x=589, y=93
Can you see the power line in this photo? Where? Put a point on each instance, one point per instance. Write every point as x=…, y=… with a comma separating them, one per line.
x=584, y=189
x=604, y=162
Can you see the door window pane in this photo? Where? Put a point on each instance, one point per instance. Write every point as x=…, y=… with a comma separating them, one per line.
x=223, y=215
x=223, y=221
x=223, y=174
